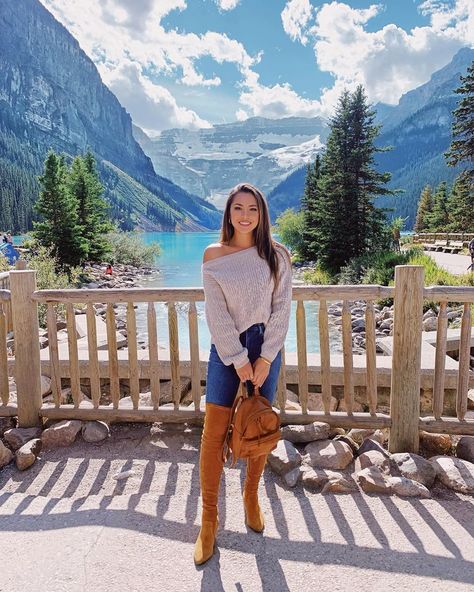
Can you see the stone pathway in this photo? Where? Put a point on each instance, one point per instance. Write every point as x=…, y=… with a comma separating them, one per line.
x=67, y=525
x=456, y=264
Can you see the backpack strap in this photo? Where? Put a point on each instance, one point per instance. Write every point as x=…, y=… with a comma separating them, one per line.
x=241, y=395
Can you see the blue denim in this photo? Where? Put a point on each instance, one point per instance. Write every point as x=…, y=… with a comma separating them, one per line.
x=222, y=382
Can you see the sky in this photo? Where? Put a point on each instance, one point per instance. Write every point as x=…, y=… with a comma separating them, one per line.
x=195, y=63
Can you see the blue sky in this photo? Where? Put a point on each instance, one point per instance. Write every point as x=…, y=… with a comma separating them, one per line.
x=195, y=63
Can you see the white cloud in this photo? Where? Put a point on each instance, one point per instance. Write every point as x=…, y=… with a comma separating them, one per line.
x=118, y=33
x=227, y=4
x=389, y=61
x=152, y=107
x=295, y=17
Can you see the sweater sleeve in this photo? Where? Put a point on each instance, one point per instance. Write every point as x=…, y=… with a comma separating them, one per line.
x=221, y=325
x=278, y=323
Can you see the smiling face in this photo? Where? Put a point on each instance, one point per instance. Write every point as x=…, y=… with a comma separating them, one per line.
x=244, y=214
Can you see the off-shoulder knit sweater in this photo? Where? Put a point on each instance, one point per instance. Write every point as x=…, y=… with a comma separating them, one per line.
x=239, y=292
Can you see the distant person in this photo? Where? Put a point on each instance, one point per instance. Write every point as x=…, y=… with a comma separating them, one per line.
x=9, y=238
x=109, y=270
x=396, y=239
x=471, y=251
x=5, y=239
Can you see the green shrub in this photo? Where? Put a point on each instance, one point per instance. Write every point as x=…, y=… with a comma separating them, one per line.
x=317, y=276
x=3, y=264
x=48, y=278
x=128, y=248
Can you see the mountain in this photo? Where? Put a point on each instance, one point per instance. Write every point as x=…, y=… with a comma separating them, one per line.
x=418, y=129
x=209, y=162
x=52, y=96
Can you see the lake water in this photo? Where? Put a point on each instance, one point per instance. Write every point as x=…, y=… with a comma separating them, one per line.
x=180, y=266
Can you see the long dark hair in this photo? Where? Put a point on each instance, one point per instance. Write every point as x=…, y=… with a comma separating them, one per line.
x=262, y=234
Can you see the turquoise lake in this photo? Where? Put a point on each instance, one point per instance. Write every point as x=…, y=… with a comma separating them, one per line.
x=180, y=266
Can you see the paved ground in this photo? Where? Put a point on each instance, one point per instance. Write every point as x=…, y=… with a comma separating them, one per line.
x=67, y=525
x=456, y=264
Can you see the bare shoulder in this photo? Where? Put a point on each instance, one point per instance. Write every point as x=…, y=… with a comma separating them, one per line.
x=213, y=252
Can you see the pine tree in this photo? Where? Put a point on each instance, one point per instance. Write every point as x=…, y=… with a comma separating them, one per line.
x=58, y=228
x=349, y=223
x=460, y=205
x=311, y=206
x=85, y=186
x=438, y=219
x=425, y=207
x=462, y=145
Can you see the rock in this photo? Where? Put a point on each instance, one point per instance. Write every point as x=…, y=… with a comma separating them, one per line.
x=45, y=385
x=415, y=467
x=95, y=431
x=455, y=473
x=6, y=455
x=292, y=477
x=343, y=438
x=6, y=423
x=123, y=475
x=430, y=324
x=359, y=435
x=339, y=484
x=369, y=444
x=310, y=432
x=16, y=437
x=372, y=458
x=315, y=478
x=284, y=458
x=371, y=480
x=27, y=454
x=62, y=433
x=315, y=402
x=407, y=487
x=435, y=444
x=465, y=448
x=328, y=454
x=166, y=394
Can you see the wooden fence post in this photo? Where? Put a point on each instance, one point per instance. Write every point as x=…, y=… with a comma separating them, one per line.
x=27, y=350
x=406, y=360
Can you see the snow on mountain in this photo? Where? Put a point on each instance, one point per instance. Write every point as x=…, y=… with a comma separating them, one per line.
x=209, y=162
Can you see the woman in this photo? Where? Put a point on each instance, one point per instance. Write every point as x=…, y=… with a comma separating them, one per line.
x=247, y=288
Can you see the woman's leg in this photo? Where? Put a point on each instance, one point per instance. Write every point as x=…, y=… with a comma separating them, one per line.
x=210, y=470
x=222, y=383
x=253, y=514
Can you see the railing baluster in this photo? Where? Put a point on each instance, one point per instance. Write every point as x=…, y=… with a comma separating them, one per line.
x=94, y=376
x=73, y=354
x=133, y=355
x=325, y=356
x=347, y=356
x=54, y=354
x=194, y=355
x=440, y=359
x=464, y=358
x=370, y=356
x=4, y=387
x=174, y=352
x=281, y=385
x=302, y=356
x=153, y=356
x=113, y=358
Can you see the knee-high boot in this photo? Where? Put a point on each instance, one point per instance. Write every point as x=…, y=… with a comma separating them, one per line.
x=253, y=514
x=210, y=470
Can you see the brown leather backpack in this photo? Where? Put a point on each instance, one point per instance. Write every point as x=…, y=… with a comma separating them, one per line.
x=254, y=427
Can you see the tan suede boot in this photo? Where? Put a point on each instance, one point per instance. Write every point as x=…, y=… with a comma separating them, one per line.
x=253, y=515
x=210, y=470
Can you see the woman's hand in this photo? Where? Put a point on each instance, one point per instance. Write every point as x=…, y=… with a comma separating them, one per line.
x=245, y=372
x=260, y=372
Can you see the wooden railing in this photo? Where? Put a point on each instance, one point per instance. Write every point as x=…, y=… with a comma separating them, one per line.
x=431, y=237
x=402, y=372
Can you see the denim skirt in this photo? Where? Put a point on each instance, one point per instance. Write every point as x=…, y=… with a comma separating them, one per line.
x=222, y=382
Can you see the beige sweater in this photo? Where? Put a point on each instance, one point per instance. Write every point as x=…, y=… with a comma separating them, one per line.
x=239, y=292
